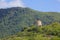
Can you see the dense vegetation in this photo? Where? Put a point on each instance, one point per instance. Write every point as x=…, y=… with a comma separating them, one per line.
x=47, y=32
x=14, y=20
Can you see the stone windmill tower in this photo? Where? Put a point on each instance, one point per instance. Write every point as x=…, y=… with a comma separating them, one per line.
x=38, y=22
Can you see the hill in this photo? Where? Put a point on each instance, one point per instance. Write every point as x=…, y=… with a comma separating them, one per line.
x=13, y=20
x=48, y=32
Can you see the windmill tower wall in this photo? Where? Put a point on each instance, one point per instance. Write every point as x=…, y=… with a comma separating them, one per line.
x=38, y=22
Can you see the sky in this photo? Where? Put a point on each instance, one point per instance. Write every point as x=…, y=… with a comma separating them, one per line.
x=40, y=5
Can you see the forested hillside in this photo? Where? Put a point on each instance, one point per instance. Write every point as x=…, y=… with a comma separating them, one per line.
x=13, y=20
x=47, y=32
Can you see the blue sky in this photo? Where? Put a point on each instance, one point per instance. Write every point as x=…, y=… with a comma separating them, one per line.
x=41, y=5
x=44, y=5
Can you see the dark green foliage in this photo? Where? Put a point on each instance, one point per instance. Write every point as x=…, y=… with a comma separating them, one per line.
x=13, y=20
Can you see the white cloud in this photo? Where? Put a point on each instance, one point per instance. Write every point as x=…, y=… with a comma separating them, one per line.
x=13, y=3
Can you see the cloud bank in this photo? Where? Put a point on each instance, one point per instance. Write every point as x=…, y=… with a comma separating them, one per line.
x=12, y=3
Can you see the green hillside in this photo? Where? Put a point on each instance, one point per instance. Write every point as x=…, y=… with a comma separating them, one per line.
x=13, y=20
x=48, y=32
